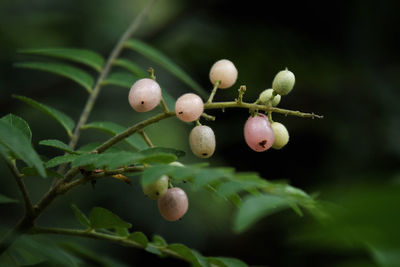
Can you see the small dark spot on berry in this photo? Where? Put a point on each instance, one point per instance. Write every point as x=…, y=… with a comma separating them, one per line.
x=180, y=112
x=263, y=143
x=180, y=219
x=157, y=193
x=142, y=102
x=204, y=154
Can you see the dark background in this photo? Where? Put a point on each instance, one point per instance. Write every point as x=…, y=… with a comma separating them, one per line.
x=346, y=61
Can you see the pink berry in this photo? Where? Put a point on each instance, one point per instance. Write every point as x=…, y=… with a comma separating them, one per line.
x=145, y=94
x=173, y=204
x=189, y=107
x=258, y=133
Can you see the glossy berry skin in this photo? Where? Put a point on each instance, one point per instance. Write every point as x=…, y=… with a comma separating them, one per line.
x=258, y=133
x=281, y=135
x=283, y=82
x=202, y=141
x=157, y=189
x=174, y=204
x=144, y=95
x=189, y=107
x=224, y=71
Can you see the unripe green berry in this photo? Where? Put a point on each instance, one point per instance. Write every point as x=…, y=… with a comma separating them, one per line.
x=157, y=189
x=283, y=82
x=266, y=96
x=281, y=135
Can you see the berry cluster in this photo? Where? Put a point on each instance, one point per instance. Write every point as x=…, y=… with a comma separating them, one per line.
x=260, y=132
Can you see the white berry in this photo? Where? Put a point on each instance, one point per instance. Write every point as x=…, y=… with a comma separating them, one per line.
x=189, y=107
x=144, y=95
x=202, y=141
x=224, y=71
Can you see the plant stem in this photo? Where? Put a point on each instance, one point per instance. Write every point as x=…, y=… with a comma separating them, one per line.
x=28, y=220
x=146, y=138
x=106, y=69
x=213, y=92
x=21, y=185
x=101, y=236
x=234, y=104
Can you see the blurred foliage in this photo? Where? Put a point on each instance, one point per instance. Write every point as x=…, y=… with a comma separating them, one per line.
x=344, y=55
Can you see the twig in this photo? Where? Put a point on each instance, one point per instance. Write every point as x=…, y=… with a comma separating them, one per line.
x=101, y=236
x=213, y=92
x=21, y=185
x=146, y=138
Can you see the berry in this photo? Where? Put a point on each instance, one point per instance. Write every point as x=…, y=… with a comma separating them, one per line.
x=174, y=204
x=157, y=189
x=266, y=95
x=283, y=82
x=202, y=141
x=177, y=164
x=145, y=95
x=224, y=71
x=258, y=133
x=281, y=135
x=189, y=107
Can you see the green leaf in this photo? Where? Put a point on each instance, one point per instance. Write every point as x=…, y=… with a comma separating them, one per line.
x=112, y=128
x=226, y=262
x=57, y=144
x=139, y=238
x=60, y=117
x=19, y=123
x=132, y=67
x=209, y=175
x=4, y=199
x=122, y=79
x=60, y=160
x=77, y=75
x=15, y=141
x=159, y=241
x=169, y=100
x=87, y=57
x=185, y=252
x=158, y=150
x=256, y=207
x=165, y=62
x=103, y=218
x=31, y=171
x=153, y=173
x=81, y=216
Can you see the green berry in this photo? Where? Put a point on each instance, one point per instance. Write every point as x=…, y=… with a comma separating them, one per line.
x=283, y=82
x=266, y=96
x=158, y=188
x=281, y=135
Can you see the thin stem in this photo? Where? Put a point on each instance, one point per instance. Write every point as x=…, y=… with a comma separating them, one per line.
x=131, y=130
x=234, y=104
x=101, y=236
x=106, y=69
x=21, y=185
x=164, y=105
x=162, y=101
x=213, y=92
x=208, y=117
x=146, y=138
x=241, y=90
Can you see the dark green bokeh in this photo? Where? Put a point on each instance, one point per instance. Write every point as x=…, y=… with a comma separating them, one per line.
x=345, y=58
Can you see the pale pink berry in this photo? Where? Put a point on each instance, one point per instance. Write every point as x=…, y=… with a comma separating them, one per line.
x=258, y=133
x=202, y=141
x=145, y=94
x=173, y=204
x=189, y=107
x=224, y=71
